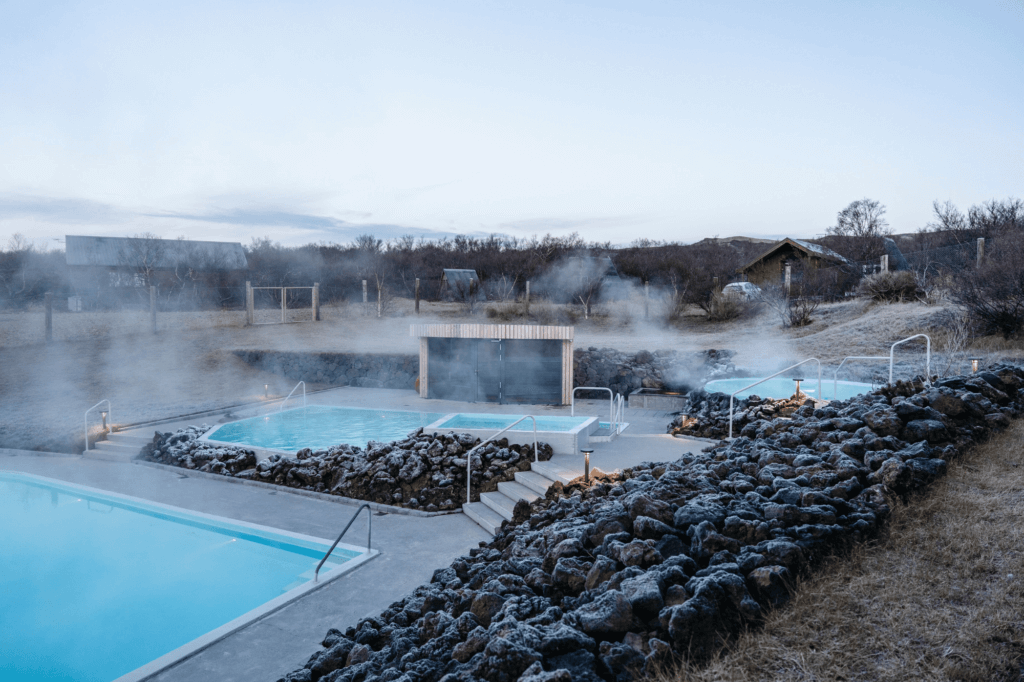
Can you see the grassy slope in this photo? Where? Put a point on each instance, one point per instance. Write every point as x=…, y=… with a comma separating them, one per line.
x=941, y=597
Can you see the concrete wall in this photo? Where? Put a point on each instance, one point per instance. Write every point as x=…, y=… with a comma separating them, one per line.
x=343, y=369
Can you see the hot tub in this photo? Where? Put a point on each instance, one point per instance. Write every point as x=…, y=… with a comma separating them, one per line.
x=781, y=387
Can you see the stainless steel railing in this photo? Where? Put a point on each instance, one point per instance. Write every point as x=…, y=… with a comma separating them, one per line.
x=369, y=535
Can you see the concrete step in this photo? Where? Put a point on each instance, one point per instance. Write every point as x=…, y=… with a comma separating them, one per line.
x=555, y=472
x=484, y=516
x=499, y=503
x=534, y=481
x=517, y=491
x=129, y=438
x=111, y=451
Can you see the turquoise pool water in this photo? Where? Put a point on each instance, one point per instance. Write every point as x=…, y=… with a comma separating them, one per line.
x=500, y=421
x=319, y=427
x=93, y=586
x=783, y=388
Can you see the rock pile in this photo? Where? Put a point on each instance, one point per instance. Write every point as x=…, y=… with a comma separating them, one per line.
x=625, y=372
x=706, y=415
x=424, y=471
x=609, y=581
x=346, y=369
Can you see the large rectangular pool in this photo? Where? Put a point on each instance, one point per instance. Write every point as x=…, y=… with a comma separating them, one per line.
x=94, y=585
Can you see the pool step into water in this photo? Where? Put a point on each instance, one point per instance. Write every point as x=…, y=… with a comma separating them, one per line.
x=118, y=447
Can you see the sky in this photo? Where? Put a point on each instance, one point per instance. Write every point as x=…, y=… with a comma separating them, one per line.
x=319, y=121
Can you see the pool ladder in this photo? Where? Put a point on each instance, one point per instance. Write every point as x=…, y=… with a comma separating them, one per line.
x=369, y=535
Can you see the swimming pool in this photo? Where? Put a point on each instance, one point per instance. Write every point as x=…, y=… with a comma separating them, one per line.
x=94, y=585
x=781, y=387
x=319, y=427
x=473, y=421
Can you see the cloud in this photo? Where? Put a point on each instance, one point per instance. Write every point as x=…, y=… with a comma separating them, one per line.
x=536, y=225
x=63, y=210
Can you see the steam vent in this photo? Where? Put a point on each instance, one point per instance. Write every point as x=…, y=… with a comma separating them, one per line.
x=495, y=363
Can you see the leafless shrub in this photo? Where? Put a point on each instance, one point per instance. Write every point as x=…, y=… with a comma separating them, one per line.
x=721, y=308
x=794, y=309
x=892, y=287
x=954, y=339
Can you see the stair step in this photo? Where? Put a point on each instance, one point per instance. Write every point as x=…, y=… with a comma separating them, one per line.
x=554, y=472
x=484, y=516
x=111, y=446
x=129, y=438
x=500, y=503
x=517, y=491
x=534, y=481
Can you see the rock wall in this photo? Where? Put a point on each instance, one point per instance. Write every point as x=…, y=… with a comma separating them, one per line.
x=423, y=471
x=345, y=369
x=612, y=580
x=626, y=372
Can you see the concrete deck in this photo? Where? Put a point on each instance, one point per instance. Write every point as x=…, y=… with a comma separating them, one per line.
x=411, y=548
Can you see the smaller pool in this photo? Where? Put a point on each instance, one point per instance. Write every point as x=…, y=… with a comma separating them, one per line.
x=472, y=422
x=781, y=387
x=319, y=427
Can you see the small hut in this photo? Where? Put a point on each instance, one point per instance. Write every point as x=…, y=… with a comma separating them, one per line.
x=461, y=285
x=800, y=255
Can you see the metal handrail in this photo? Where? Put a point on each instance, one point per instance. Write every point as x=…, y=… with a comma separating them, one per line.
x=369, y=535
x=469, y=460
x=301, y=383
x=620, y=413
x=928, y=356
x=611, y=400
x=835, y=375
x=761, y=381
x=85, y=419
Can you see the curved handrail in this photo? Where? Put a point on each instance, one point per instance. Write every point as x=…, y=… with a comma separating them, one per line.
x=611, y=400
x=761, y=381
x=835, y=375
x=928, y=355
x=469, y=460
x=301, y=383
x=620, y=413
x=369, y=535
x=85, y=419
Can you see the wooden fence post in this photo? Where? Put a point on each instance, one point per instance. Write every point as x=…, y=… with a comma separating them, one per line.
x=417, y=295
x=152, y=307
x=527, y=298
x=250, y=304
x=981, y=250
x=885, y=263
x=49, y=316
x=366, y=300
x=316, y=301
x=284, y=302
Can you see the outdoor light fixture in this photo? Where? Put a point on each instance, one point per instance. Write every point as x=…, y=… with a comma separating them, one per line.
x=797, y=386
x=586, y=465
x=104, y=416
x=974, y=364
x=266, y=390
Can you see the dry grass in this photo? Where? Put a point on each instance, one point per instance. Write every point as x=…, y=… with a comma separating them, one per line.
x=941, y=597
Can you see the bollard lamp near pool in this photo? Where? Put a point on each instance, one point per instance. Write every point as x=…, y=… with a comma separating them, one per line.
x=586, y=465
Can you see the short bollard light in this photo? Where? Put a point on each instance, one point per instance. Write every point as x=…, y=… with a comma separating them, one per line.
x=974, y=364
x=586, y=465
x=266, y=390
x=798, y=386
x=103, y=415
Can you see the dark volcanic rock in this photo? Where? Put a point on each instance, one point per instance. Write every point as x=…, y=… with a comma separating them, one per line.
x=610, y=580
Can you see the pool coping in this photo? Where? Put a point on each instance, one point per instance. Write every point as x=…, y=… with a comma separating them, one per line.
x=204, y=641
x=337, y=499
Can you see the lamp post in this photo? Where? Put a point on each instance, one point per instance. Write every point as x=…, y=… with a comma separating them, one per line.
x=266, y=390
x=586, y=465
x=103, y=415
x=974, y=364
x=798, y=386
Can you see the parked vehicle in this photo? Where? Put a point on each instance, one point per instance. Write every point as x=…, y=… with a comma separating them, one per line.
x=744, y=290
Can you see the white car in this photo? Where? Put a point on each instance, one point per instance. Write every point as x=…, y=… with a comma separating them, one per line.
x=746, y=290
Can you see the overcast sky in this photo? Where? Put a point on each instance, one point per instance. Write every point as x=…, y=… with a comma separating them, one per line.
x=307, y=121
